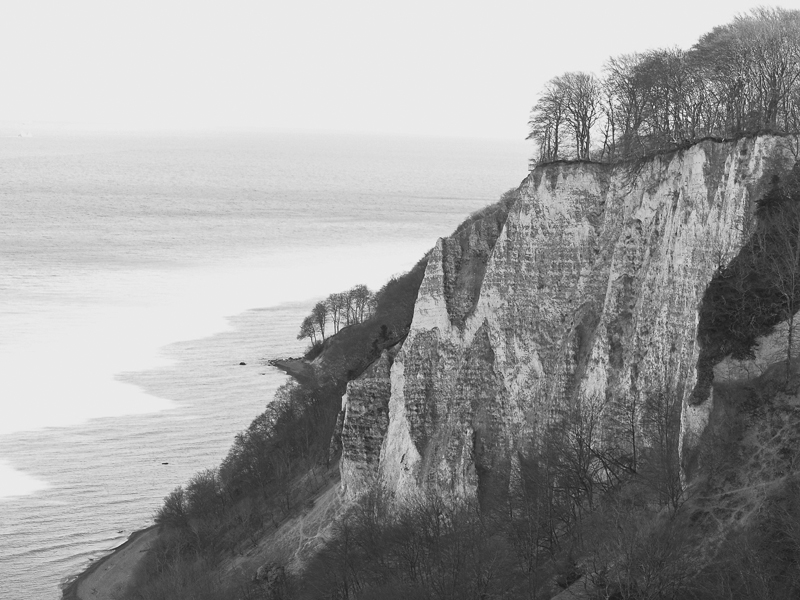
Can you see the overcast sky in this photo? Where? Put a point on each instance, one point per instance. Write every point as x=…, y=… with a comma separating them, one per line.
x=467, y=69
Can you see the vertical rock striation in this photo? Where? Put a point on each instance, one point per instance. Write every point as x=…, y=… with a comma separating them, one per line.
x=365, y=419
x=588, y=289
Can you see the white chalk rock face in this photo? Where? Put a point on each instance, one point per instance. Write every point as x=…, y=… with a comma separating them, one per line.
x=588, y=290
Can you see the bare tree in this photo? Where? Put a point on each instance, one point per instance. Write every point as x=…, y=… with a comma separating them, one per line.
x=771, y=37
x=533, y=522
x=308, y=330
x=609, y=116
x=204, y=495
x=582, y=92
x=337, y=308
x=625, y=102
x=752, y=70
x=739, y=78
x=570, y=101
x=319, y=314
x=174, y=510
x=661, y=430
x=547, y=119
x=360, y=299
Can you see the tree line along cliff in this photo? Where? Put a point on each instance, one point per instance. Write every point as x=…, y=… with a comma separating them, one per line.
x=739, y=78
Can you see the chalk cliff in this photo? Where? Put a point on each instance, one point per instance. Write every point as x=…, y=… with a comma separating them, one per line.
x=586, y=290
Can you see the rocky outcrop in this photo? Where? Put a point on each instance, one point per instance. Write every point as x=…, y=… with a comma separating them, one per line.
x=588, y=291
x=364, y=421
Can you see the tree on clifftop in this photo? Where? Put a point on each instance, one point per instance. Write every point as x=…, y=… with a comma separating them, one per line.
x=337, y=308
x=320, y=316
x=738, y=79
x=308, y=330
x=360, y=299
x=356, y=305
x=547, y=119
x=569, y=104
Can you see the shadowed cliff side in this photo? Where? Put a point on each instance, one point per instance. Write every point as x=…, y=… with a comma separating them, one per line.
x=759, y=288
x=465, y=255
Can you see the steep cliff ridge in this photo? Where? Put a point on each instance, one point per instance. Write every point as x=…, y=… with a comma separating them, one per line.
x=590, y=293
x=365, y=418
x=465, y=255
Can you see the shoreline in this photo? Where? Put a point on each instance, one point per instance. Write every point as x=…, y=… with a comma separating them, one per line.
x=101, y=578
x=71, y=589
x=298, y=368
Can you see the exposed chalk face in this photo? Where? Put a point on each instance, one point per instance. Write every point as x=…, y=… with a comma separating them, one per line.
x=366, y=419
x=589, y=291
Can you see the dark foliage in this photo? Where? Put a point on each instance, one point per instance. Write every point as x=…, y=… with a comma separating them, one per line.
x=570, y=499
x=760, y=561
x=266, y=477
x=435, y=549
x=759, y=288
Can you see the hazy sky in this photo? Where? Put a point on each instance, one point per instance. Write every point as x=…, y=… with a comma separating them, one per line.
x=460, y=68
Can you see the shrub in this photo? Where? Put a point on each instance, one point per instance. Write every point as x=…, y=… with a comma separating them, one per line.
x=174, y=510
x=204, y=495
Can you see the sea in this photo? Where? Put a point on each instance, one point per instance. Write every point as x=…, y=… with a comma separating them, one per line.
x=145, y=280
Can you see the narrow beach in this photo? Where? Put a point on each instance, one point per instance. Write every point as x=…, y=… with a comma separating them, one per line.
x=108, y=576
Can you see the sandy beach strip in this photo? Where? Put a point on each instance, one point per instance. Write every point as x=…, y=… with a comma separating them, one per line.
x=108, y=576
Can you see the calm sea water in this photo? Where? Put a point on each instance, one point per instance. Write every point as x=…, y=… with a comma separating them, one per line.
x=116, y=250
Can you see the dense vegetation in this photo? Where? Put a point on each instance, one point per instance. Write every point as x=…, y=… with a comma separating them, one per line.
x=272, y=469
x=529, y=541
x=577, y=509
x=740, y=78
x=625, y=549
